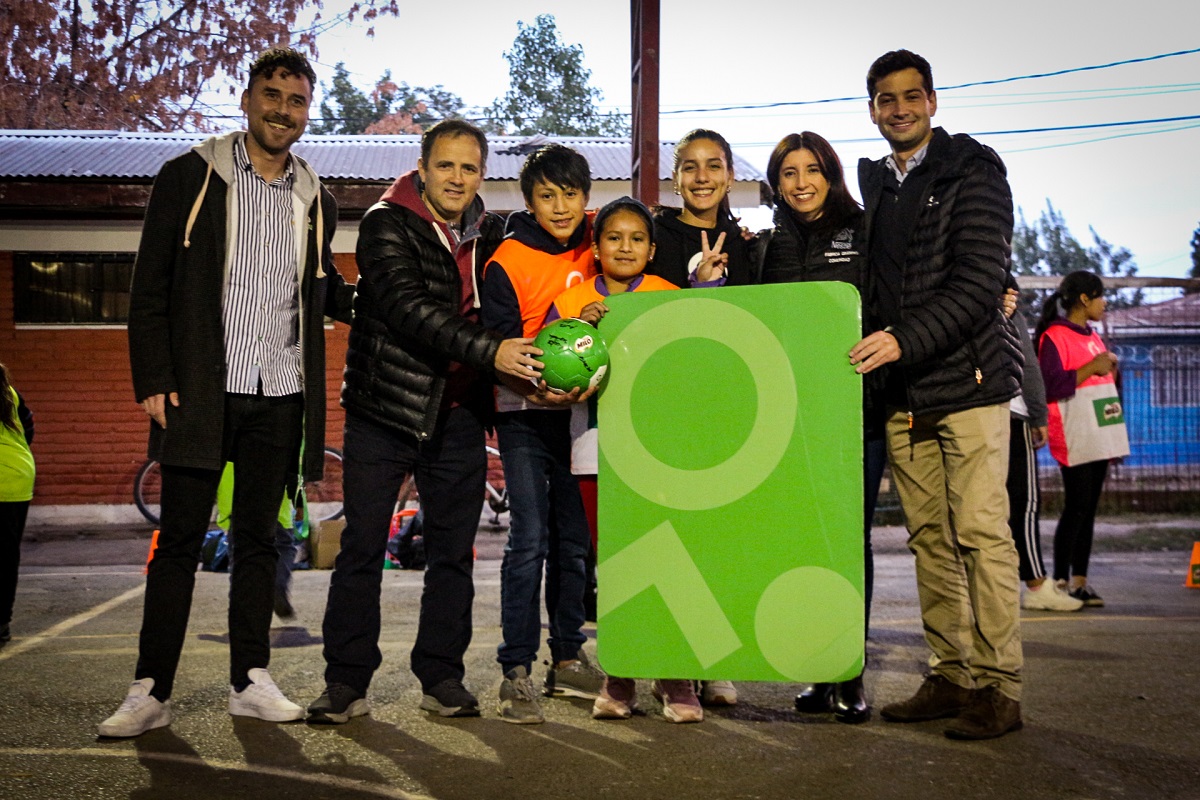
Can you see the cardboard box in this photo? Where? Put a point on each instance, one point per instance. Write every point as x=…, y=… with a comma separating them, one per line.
x=325, y=540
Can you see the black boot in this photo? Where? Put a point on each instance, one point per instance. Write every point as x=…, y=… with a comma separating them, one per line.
x=850, y=702
x=816, y=699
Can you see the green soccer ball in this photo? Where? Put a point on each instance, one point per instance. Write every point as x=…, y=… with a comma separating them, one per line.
x=574, y=353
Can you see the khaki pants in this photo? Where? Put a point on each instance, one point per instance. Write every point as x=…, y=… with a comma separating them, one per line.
x=950, y=471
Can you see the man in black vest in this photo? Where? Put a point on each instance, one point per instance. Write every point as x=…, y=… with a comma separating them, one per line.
x=939, y=217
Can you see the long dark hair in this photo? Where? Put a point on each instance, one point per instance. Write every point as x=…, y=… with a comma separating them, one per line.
x=840, y=206
x=1066, y=297
x=715, y=138
x=6, y=402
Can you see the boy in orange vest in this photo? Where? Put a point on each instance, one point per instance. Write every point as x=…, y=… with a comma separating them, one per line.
x=547, y=249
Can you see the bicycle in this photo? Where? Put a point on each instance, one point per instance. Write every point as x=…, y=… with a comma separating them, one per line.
x=324, y=497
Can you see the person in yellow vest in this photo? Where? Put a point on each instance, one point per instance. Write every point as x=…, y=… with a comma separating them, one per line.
x=547, y=248
x=1087, y=422
x=17, y=472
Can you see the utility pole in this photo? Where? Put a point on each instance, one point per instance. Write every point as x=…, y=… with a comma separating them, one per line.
x=644, y=18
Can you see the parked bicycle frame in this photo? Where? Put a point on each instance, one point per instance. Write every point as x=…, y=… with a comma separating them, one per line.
x=324, y=497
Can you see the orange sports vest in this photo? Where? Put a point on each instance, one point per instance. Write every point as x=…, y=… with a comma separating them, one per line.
x=572, y=301
x=538, y=277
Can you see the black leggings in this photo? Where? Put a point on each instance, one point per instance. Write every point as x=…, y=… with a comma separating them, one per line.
x=12, y=527
x=1082, y=484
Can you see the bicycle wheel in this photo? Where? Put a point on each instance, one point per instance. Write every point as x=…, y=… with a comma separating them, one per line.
x=324, y=497
x=496, y=498
x=147, y=491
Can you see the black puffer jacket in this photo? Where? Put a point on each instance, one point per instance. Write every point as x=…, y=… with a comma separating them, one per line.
x=408, y=326
x=791, y=253
x=957, y=350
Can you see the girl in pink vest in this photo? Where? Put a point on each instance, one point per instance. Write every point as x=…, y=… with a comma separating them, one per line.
x=1087, y=426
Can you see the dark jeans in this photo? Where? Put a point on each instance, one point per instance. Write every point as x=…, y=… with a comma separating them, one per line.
x=874, y=460
x=262, y=439
x=449, y=469
x=544, y=502
x=1082, y=485
x=1024, y=500
x=12, y=528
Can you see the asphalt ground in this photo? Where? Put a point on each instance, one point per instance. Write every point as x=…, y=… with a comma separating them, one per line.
x=1111, y=705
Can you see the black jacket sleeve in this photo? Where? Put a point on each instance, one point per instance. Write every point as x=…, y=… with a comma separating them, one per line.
x=339, y=295
x=499, y=308
x=390, y=258
x=26, y=417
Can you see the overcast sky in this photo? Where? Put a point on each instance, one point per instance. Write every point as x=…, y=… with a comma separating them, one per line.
x=1138, y=186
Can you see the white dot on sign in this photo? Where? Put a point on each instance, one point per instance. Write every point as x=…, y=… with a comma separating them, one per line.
x=809, y=625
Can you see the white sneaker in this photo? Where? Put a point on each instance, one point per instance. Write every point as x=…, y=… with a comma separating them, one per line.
x=263, y=700
x=1048, y=597
x=718, y=693
x=139, y=712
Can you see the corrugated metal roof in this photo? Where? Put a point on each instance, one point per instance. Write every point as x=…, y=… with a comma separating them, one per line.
x=113, y=154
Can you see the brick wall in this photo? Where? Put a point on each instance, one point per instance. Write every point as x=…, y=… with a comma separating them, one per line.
x=91, y=435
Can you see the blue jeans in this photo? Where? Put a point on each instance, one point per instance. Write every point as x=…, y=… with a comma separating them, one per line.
x=544, y=500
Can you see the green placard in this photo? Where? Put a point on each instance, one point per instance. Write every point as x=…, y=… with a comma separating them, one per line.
x=730, y=508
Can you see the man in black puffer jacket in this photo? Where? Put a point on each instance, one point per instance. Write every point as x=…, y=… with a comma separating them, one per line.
x=418, y=396
x=939, y=217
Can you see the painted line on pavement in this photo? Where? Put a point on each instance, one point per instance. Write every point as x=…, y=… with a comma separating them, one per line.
x=14, y=649
x=215, y=763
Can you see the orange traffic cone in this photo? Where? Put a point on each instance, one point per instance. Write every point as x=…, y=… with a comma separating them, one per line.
x=150, y=555
x=1193, y=576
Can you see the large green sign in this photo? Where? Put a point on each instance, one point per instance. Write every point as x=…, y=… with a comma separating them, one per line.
x=731, y=509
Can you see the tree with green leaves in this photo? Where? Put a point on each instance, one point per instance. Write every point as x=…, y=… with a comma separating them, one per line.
x=389, y=108
x=549, y=91
x=142, y=64
x=1047, y=247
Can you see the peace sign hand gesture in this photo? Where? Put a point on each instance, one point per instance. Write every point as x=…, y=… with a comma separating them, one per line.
x=713, y=263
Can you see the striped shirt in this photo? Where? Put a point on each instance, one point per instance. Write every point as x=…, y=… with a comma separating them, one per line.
x=262, y=300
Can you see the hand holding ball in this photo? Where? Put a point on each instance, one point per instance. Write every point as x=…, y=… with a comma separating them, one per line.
x=574, y=353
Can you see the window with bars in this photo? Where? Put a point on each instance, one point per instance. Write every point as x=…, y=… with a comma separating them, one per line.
x=1175, y=375
x=72, y=288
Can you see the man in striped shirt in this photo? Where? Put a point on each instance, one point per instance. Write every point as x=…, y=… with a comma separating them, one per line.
x=233, y=279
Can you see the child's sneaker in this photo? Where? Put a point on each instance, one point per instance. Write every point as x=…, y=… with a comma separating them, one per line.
x=617, y=700
x=679, y=700
x=718, y=693
x=139, y=712
x=518, y=700
x=578, y=678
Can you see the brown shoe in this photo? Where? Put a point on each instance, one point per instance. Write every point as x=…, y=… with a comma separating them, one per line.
x=990, y=713
x=937, y=698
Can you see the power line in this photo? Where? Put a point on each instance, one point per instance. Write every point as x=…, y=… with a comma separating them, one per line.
x=1053, y=129
x=993, y=82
